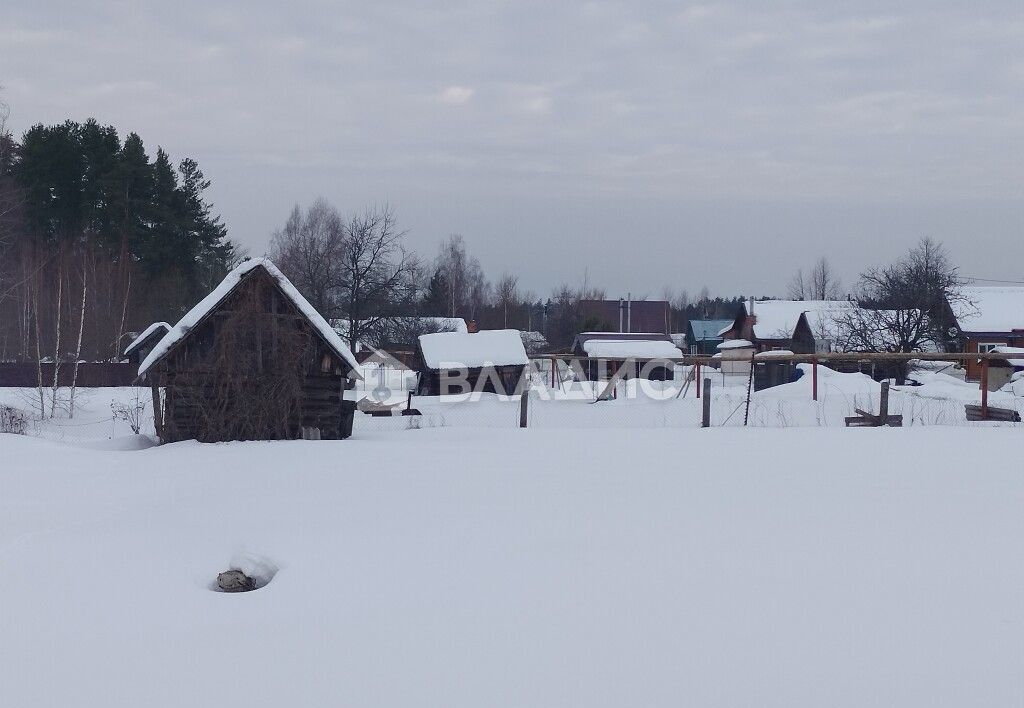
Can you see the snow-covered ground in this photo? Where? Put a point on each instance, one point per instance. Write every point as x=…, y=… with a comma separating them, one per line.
x=101, y=414
x=457, y=567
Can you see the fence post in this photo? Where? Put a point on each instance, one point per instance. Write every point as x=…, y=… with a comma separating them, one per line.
x=883, y=404
x=524, y=401
x=705, y=419
x=814, y=379
x=696, y=378
x=984, y=389
x=554, y=367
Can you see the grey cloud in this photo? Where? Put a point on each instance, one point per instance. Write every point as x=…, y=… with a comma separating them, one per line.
x=719, y=143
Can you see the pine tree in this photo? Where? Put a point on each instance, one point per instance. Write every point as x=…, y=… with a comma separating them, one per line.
x=435, y=298
x=205, y=234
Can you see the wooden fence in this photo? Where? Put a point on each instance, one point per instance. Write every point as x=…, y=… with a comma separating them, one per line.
x=90, y=375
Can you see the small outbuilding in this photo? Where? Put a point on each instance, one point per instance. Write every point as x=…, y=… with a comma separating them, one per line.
x=1001, y=370
x=252, y=361
x=772, y=368
x=631, y=355
x=702, y=336
x=489, y=361
x=144, y=342
x=735, y=356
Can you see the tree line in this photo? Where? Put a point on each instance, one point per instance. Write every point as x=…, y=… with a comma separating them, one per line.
x=97, y=240
x=356, y=270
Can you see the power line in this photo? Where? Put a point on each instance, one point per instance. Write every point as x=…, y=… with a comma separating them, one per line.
x=993, y=280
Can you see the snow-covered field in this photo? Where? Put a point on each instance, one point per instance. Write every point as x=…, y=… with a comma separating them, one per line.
x=457, y=567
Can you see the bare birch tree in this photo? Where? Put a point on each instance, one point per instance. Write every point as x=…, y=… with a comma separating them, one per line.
x=821, y=284
x=506, y=296
x=78, y=347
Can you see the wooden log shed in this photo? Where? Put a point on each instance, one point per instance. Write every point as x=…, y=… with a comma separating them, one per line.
x=252, y=361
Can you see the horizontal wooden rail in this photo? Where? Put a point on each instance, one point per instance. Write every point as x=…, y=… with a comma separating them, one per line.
x=821, y=358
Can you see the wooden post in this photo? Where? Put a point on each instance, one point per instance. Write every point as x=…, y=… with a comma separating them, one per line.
x=554, y=367
x=408, y=401
x=705, y=420
x=696, y=378
x=984, y=389
x=814, y=379
x=158, y=416
x=883, y=405
x=524, y=401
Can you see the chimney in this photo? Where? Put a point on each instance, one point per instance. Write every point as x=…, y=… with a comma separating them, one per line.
x=471, y=326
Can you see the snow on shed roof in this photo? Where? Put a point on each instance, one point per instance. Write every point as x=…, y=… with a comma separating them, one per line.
x=992, y=309
x=489, y=347
x=145, y=334
x=774, y=354
x=194, y=316
x=630, y=349
x=735, y=344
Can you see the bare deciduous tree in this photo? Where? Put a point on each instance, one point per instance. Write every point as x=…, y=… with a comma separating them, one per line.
x=506, y=296
x=824, y=284
x=466, y=286
x=378, y=275
x=356, y=270
x=309, y=250
x=904, y=307
x=821, y=284
x=797, y=288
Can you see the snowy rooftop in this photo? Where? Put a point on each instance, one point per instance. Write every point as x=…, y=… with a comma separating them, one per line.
x=489, y=347
x=995, y=309
x=630, y=349
x=774, y=354
x=145, y=334
x=194, y=316
x=776, y=319
x=736, y=344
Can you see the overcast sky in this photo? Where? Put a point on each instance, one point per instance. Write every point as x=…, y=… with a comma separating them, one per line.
x=642, y=144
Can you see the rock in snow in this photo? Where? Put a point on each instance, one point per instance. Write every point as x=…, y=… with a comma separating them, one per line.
x=235, y=581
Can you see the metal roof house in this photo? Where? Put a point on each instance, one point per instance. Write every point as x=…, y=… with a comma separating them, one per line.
x=702, y=336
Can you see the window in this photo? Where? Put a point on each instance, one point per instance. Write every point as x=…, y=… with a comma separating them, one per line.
x=986, y=347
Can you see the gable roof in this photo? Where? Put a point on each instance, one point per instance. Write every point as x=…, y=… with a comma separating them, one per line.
x=992, y=309
x=489, y=347
x=209, y=303
x=150, y=331
x=704, y=330
x=777, y=319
